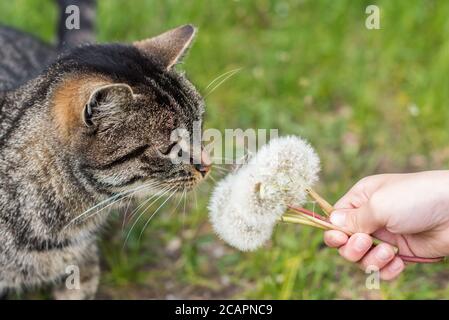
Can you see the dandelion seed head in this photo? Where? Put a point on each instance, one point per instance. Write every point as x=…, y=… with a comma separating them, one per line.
x=233, y=222
x=285, y=168
x=246, y=204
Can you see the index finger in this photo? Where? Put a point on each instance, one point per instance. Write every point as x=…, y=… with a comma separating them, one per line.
x=359, y=193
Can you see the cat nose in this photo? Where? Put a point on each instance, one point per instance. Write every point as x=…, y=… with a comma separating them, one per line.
x=205, y=165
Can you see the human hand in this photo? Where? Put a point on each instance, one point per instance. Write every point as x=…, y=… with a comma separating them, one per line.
x=409, y=211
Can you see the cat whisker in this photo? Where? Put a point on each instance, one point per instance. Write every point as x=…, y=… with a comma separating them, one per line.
x=107, y=202
x=219, y=173
x=221, y=76
x=184, y=211
x=222, y=81
x=213, y=179
x=146, y=202
x=104, y=202
x=141, y=214
x=196, y=199
x=223, y=160
x=129, y=194
x=114, y=198
x=125, y=215
x=158, y=195
x=225, y=170
x=154, y=213
x=125, y=218
x=179, y=202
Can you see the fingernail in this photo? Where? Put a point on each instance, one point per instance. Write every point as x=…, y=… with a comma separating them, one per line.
x=361, y=243
x=338, y=218
x=396, y=265
x=383, y=254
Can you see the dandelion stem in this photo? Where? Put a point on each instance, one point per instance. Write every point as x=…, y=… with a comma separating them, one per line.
x=298, y=220
x=324, y=205
x=321, y=222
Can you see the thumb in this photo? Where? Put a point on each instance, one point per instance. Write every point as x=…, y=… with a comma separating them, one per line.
x=356, y=220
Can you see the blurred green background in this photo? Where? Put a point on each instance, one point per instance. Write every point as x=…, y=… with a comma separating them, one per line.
x=370, y=101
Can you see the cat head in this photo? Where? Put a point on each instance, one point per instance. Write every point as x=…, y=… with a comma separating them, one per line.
x=127, y=116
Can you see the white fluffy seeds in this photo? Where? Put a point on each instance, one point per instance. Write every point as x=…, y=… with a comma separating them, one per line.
x=246, y=204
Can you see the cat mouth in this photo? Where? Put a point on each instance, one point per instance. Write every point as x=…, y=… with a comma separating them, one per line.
x=178, y=184
x=186, y=184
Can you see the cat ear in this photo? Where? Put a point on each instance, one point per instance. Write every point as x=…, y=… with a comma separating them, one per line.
x=170, y=46
x=106, y=99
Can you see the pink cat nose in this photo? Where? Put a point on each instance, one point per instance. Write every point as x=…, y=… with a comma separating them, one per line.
x=205, y=165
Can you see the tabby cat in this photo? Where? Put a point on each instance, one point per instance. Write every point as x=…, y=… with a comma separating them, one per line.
x=96, y=122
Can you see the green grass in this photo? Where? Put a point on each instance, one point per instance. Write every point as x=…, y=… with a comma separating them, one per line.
x=370, y=101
